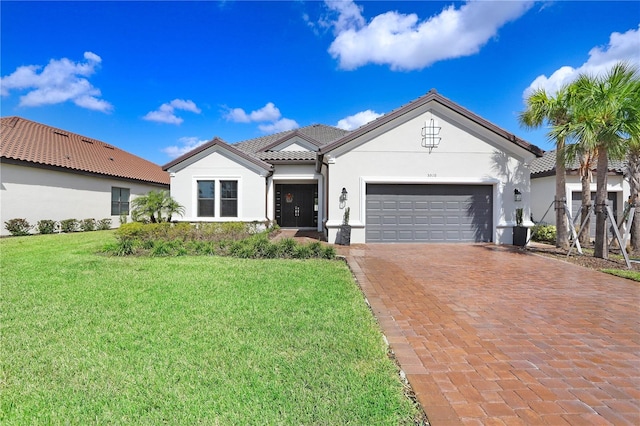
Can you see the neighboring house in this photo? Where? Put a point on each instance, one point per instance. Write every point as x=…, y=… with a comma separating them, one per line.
x=430, y=171
x=543, y=189
x=49, y=173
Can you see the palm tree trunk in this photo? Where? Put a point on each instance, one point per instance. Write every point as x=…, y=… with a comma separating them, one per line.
x=633, y=168
x=601, y=249
x=585, y=216
x=562, y=233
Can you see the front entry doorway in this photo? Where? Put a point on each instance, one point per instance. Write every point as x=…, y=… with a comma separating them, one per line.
x=297, y=205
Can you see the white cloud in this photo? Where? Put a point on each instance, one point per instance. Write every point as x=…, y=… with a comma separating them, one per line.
x=405, y=43
x=61, y=80
x=621, y=47
x=269, y=112
x=269, y=115
x=359, y=119
x=186, y=144
x=166, y=112
x=281, y=125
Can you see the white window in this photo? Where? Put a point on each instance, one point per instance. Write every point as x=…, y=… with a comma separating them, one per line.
x=213, y=193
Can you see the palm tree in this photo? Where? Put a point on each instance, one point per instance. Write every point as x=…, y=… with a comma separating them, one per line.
x=586, y=159
x=543, y=108
x=633, y=175
x=156, y=207
x=606, y=117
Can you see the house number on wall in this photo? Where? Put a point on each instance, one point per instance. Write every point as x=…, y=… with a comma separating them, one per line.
x=432, y=175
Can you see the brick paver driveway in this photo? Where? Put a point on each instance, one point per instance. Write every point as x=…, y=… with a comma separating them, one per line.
x=487, y=335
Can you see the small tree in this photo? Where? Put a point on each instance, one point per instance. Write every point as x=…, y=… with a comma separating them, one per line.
x=155, y=207
x=555, y=110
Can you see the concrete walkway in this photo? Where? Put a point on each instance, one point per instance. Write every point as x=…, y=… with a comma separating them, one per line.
x=489, y=336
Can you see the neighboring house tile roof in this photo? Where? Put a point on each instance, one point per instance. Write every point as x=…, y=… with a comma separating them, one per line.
x=546, y=165
x=27, y=141
x=432, y=95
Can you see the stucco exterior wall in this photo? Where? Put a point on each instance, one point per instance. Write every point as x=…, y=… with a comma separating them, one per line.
x=543, y=192
x=40, y=194
x=466, y=154
x=220, y=166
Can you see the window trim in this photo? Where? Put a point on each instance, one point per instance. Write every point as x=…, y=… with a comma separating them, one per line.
x=227, y=199
x=198, y=199
x=217, y=197
x=119, y=201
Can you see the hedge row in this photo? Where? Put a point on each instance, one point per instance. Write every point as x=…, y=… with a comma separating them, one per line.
x=233, y=239
x=20, y=227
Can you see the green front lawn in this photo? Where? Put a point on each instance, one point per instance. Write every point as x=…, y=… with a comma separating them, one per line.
x=93, y=339
x=625, y=273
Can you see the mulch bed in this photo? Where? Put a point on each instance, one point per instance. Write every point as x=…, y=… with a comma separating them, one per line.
x=615, y=261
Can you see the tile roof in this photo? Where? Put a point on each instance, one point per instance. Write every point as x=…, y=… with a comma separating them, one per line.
x=546, y=165
x=31, y=142
x=432, y=95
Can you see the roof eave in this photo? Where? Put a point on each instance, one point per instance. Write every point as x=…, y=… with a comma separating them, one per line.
x=432, y=95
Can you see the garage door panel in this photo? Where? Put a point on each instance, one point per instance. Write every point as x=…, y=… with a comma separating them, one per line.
x=424, y=213
x=437, y=220
x=421, y=220
x=406, y=205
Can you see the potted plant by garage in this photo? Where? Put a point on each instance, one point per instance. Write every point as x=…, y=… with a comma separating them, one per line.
x=345, y=229
x=519, y=231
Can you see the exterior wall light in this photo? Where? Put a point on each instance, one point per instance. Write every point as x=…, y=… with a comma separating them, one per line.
x=517, y=195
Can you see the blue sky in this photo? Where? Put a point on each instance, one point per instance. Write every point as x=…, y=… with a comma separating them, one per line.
x=158, y=78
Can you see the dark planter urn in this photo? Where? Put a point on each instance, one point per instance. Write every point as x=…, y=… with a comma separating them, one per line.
x=345, y=235
x=519, y=236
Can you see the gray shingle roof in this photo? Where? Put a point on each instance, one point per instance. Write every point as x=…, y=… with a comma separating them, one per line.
x=319, y=134
x=286, y=156
x=546, y=165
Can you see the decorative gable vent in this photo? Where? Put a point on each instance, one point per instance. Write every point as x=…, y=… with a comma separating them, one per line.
x=431, y=134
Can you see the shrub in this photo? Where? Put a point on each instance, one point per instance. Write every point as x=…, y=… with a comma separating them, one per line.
x=18, y=227
x=69, y=225
x=302, y=251
x=329, y=252
x=88, y=225
x=286, y=247
x=224, y=239
x=162, y=248
x=124, y=248
x=46, y=226
x=104, y=224
x=544, y=233
x=130, y=231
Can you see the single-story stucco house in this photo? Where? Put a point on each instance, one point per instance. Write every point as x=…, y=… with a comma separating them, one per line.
x=430, y=171
x=543, y=189
x=53, y=174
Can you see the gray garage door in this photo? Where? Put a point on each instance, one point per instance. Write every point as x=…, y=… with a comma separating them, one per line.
x=429, y=213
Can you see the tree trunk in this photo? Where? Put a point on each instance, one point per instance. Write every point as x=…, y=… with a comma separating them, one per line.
x=601, y=250
x=633, y=165
x=585, y=212
x=562, y=233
